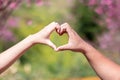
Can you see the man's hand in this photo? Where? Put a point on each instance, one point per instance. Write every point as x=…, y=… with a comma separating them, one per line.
x=75, y=43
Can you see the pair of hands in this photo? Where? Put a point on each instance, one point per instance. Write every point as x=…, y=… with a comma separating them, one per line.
x=75, y=43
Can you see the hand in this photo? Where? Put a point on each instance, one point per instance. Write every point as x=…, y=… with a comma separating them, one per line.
x=43, y=35
x=75, y=43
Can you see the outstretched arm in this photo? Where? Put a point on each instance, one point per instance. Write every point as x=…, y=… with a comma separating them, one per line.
x=9, y=56
x=105, y=68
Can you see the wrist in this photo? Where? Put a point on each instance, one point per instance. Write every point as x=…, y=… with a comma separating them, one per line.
x=30, y=40
x=86, y=48
x=89, y=50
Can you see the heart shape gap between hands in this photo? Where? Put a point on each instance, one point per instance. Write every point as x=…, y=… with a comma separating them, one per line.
x=58, y=39
x=61, y=37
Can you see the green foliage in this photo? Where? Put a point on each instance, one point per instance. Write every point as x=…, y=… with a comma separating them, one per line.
x=41, y=62
x=86, y=24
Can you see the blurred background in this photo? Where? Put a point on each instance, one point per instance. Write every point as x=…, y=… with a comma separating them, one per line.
x=96, y=21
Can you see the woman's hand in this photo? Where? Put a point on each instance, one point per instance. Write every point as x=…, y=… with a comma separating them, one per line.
x=43, y=35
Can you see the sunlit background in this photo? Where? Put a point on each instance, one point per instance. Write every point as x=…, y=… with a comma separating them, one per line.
x=96, y=21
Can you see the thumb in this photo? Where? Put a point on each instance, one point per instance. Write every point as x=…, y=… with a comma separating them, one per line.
x=64, y=47
x=49, y=43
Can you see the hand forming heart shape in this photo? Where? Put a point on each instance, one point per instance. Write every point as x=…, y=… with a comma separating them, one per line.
x=75, y=43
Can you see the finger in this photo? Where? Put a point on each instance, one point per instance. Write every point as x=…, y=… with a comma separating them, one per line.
x=65, y=28
x=58, y=29
x=62, y=30
x=49, y=43
x=52, y=26
x=64, y=47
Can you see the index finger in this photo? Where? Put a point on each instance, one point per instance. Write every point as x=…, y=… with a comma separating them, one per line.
x=51, y=27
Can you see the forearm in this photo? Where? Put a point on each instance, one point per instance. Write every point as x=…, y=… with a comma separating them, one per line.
x=104, y=67
x=9, y=56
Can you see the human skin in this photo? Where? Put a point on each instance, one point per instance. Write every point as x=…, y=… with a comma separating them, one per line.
x=8, y=57
x=104, y=67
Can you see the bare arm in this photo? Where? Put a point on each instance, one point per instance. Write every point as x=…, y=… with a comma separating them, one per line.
x=8, y=57
x=105, y=68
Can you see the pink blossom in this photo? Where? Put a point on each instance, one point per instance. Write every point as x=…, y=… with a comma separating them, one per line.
x=109, y=12
x=99, y=10
x=13, y=5
x=28, y=2
x=39, y=2
x=30, y=22
x=7, y=35
x=13, y=22
x=106, y=2
x=92, y=2
x=105, y=40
